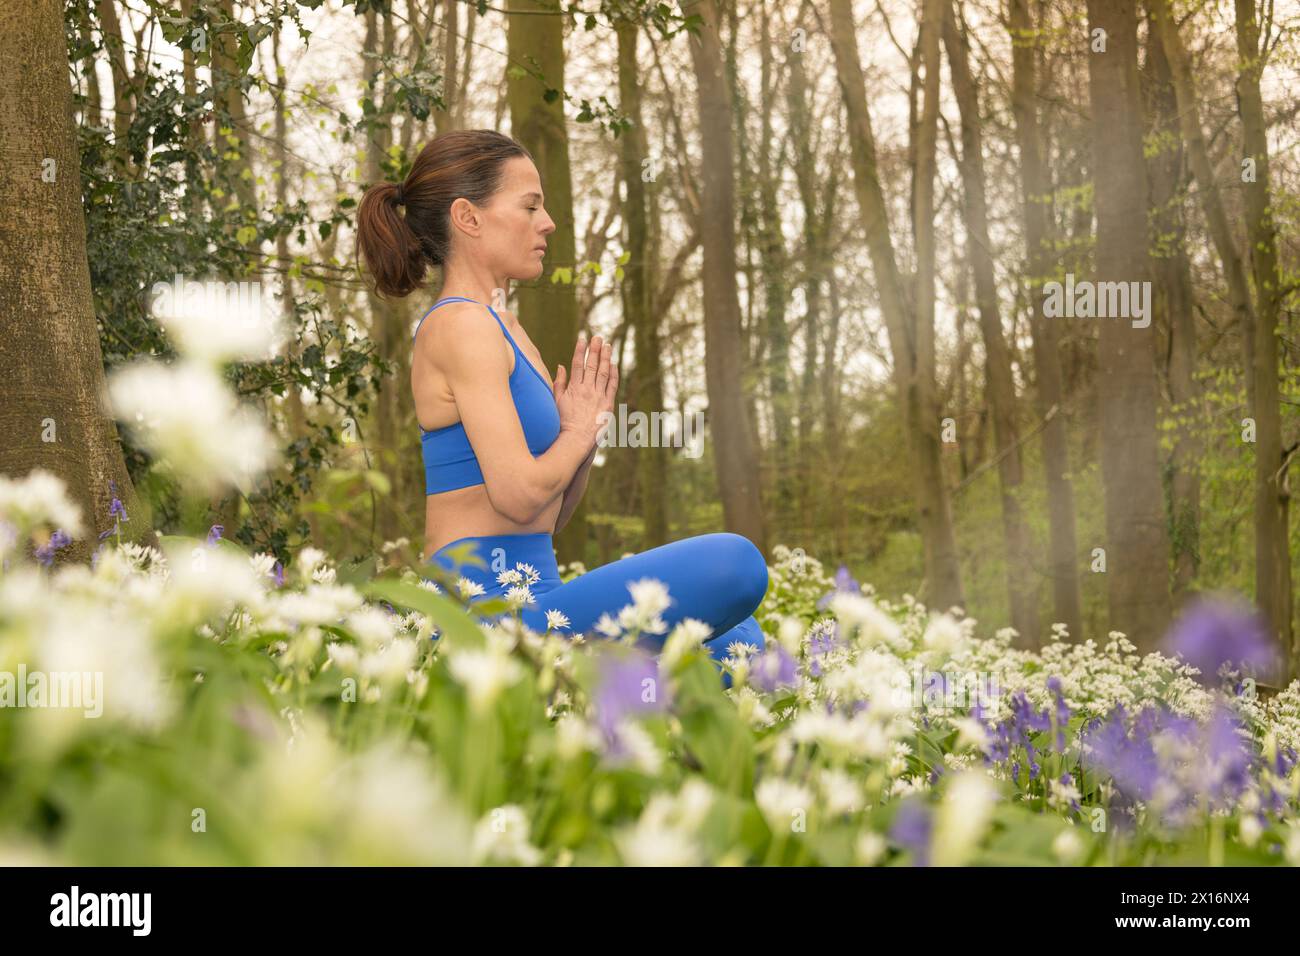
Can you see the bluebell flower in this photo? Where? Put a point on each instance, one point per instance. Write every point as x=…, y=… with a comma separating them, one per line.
x=911, y=830
x=628, y=683
x=773, y=668
x=215, y=533
x=1215, y=632
x=844, y=584
x=820, y=644
x=1130, y=761
x=58, y=540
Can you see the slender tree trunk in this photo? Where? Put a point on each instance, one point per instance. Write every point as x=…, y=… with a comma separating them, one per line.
x=1000, y=387
x=549, y=310
x=1063, y=552
x=1207, y=188
x=735, y=457
x=818, y=221
x=466, y=62
x=1272, y=548
x=388, y=328
x=123, y=89
x=50, y=360
x=925, y=412
x=648, y=396
x=911, y=339
x=776, y=292
x=1137, y=553
x=1174, y=305
x=444, y=119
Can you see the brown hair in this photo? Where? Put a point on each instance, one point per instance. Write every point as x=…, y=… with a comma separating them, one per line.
x=398, y=248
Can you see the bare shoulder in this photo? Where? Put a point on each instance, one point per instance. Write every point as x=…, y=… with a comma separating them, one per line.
x=464, y=333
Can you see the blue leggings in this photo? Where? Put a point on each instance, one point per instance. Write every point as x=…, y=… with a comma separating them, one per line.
x=719, y=579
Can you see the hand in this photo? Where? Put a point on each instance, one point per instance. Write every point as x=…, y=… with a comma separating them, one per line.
x=591, y=391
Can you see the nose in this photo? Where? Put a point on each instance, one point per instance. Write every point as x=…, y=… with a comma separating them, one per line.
x=549, y=227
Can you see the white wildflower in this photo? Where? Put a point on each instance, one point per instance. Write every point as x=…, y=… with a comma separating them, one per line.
x=501, y=836
x=484, y=674
x=963, y=816
x=39, y=498
x=1067, y=846
x=371, y=626
x=869, y=848
x=185, y=415
x=781, y=801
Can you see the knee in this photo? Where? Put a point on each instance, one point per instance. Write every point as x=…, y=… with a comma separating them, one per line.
x=743, y=566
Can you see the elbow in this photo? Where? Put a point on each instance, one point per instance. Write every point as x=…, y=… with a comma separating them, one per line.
x=520, y=503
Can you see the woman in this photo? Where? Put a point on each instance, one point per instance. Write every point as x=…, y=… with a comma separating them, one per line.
x=506, y=450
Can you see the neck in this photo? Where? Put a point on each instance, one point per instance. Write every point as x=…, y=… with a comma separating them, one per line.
x=474, y=281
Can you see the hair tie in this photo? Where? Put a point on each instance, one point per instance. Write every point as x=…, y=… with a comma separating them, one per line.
x=401, y=198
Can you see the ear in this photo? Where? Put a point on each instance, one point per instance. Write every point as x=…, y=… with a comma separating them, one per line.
x=464, y=215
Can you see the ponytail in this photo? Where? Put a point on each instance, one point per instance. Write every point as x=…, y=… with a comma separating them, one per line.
x=392, y=251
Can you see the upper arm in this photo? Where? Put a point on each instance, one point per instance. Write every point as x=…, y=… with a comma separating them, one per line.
x=474, y=358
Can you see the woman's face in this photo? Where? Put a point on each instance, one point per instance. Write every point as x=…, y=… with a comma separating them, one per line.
x=515, y=223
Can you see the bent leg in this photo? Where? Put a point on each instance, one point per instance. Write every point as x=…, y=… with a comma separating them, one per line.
x=719, y=579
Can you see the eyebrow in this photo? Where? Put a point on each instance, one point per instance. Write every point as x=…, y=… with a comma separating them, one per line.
x=537, y=196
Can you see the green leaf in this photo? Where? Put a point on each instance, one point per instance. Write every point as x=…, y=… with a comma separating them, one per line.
x=446, y=615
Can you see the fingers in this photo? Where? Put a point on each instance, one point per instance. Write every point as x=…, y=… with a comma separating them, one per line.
x=593, y=364
x=579, y=357
x=561, y=381
x=612, y=389
x=602, y=374
x=595, y=354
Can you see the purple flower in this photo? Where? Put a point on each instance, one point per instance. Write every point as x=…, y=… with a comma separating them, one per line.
x=1215, y=632
x=844, y=583
x=628, y=683
x=1068, y=781
x=214, y=534
x=279, y=575
x=911, y=830
x=1223, y=768
x=844, y=580
x=58, y=540
x=1209, y=763
x=1061, y=717
x=820, y=644
x=1130, y=761
x=772, y=669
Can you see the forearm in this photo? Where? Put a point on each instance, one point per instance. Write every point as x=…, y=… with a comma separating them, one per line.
x=553, y=471
x=573, y=494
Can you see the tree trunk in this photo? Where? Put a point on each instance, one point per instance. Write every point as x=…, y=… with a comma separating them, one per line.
x=1173, y=309
x=1272, y=550
x=548, y=310
x=1137, y=554
x=50, y=360
x=1207, y=189
x=775, y=267
x=735, y=457
x=444, y=119
x=1063, y=553
x=648, y=394
x=389, y=328
x=911, y=335
x=818, y=221
x=1000, y=386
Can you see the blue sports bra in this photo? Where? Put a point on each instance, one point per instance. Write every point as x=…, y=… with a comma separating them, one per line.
x=449, y=459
